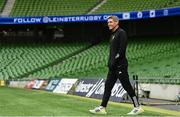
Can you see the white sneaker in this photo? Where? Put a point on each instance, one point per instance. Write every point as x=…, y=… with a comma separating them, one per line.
x=136, y=111
x=99, y=110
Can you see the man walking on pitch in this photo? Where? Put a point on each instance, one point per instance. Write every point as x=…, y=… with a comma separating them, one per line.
x=118, y=68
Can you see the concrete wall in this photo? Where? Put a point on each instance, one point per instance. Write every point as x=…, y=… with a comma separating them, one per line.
x=161, y=91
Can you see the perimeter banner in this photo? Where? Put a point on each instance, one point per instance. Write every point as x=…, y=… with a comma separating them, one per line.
x=154, y=13
x=95, y=89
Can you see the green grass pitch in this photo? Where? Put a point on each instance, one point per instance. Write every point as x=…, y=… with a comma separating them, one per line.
x=25, y=102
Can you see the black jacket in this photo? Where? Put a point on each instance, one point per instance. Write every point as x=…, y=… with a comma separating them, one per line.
x=118, y=44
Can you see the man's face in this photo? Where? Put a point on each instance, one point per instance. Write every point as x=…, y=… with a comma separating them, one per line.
x=112, y=24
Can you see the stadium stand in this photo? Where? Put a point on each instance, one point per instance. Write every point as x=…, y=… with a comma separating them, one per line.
x=175, y=4
x=147, y=58
x=52, y=7
x=156, y=59
x=112, y=6
x=78, y=65
x=2, y=2
x=78, y=7
x=19, y=59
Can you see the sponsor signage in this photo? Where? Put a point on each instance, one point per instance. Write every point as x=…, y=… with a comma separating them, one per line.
x=91, y=18
x=52, y=84
x=18, y=83
x=39, y=84
x=64, y=86
x=95, y=89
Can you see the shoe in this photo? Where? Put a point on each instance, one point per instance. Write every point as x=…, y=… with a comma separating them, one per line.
x=136, y=111
x=99, y=110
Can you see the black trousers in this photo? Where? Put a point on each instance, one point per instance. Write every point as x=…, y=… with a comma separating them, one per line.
x=121, y=73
